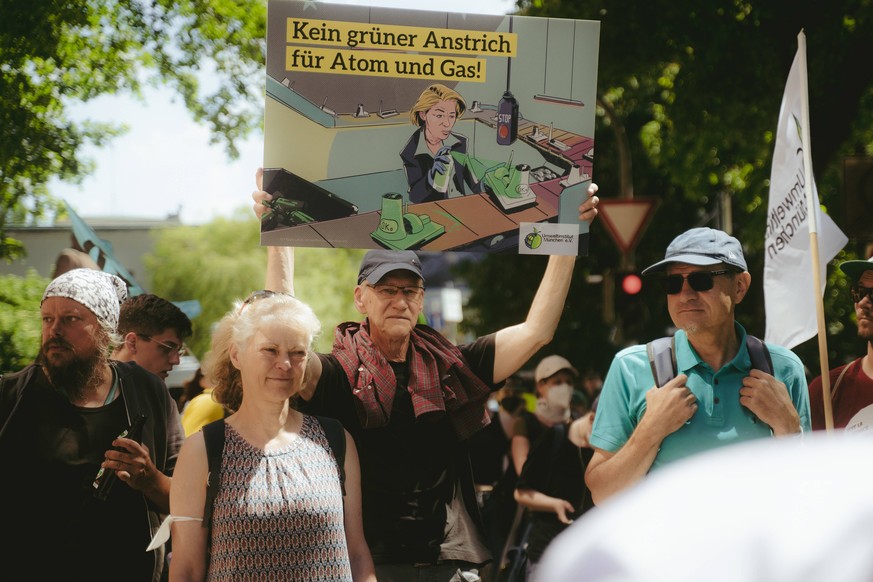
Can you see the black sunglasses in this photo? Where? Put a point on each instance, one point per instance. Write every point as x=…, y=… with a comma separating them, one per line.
x=258, y=295
x=699, y=280
x=859, y=293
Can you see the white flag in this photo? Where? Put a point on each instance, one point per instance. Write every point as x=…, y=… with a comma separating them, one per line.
x=788, y=272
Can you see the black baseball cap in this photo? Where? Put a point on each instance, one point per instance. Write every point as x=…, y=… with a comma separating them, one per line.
x=854, y=269
x=378, y=263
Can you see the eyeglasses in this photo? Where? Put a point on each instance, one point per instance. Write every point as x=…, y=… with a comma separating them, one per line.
x=165, y=347
x=388, y=292
x=258, y=295
x=699, y=280
x=859, y=293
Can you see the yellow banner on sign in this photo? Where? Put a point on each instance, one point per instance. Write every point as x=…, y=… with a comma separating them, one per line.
x=381, y=64
x=409, y=38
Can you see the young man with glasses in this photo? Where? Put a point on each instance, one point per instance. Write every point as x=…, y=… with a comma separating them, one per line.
x=715, y=398
x=411, y=399
x=153, y=333
x=852, y=384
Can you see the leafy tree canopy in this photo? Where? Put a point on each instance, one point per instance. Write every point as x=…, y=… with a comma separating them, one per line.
x=54, y=53
x=696, y=88
x=222, y=261
x=20, y=326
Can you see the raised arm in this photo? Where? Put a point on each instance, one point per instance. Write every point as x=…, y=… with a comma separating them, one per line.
x=280, y=260
x=515, y=345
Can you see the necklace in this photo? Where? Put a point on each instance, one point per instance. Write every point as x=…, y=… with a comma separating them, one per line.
x=113, y=388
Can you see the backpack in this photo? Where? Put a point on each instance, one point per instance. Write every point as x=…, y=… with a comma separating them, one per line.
x=213, y=436
x=662, y=357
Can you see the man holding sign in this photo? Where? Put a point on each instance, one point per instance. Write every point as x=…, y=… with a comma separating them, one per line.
x=411, y=400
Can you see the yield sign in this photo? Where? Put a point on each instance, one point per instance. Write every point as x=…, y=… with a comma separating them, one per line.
x=626, y=219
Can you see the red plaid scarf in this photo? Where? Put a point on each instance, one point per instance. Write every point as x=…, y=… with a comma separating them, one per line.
x=439, y=378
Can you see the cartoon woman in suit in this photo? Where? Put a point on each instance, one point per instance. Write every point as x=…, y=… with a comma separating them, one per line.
x=431, y=171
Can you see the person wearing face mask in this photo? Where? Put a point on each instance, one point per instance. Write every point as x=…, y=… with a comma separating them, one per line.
x=549, y=484
x=554, y=377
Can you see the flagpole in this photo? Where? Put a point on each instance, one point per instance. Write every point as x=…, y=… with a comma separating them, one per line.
x=812, y=205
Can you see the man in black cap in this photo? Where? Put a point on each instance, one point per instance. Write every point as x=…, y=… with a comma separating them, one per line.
x=410, y=398
x=716, y=397
x=852, y=384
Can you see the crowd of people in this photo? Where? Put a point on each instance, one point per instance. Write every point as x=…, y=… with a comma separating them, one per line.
x=397, y=456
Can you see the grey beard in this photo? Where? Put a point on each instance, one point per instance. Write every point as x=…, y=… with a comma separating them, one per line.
x=76, y=377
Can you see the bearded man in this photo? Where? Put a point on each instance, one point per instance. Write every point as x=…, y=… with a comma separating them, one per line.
x=852, y=383
x=62, y=419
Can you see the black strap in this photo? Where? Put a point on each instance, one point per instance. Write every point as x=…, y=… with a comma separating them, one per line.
x=213, y=437
x=759, y=354
x=336, y=438
x=662, y=357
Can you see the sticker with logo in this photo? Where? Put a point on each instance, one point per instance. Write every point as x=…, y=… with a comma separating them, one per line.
x=548, y=238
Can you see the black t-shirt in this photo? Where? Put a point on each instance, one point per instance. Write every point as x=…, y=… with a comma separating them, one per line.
x=564, y=480
x=489, y=449
x=408, y=467
x=60, y=450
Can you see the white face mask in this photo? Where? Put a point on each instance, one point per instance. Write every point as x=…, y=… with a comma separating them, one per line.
x=559, y=396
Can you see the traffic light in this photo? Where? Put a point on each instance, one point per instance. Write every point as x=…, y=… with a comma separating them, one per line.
x=629, y=306
x=631, y=284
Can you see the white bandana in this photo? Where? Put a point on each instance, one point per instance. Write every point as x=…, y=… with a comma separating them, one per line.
x=100, y=292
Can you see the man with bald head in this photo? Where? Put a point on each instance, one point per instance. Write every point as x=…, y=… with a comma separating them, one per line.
x=60, y=421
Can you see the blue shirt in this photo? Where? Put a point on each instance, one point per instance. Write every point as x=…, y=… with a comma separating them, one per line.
x=720, y=418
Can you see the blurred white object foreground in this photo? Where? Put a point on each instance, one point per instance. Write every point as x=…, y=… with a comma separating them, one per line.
x=781, y=510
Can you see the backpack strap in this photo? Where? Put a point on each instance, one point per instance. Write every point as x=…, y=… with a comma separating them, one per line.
x=759, y=354
x=839, y=381
x=662, y=359
x=213, y=437
x=336, y=438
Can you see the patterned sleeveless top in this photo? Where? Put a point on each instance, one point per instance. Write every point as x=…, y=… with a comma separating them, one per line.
x=279, y=515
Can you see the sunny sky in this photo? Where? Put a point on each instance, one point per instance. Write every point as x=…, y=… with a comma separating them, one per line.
x=165, y=162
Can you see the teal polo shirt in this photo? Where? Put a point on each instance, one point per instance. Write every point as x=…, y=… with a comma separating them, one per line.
x=720, y=418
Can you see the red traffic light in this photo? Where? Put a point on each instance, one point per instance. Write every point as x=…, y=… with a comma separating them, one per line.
x=631, y=284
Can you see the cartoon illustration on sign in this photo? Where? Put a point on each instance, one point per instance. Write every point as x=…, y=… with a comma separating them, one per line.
x=502, y=140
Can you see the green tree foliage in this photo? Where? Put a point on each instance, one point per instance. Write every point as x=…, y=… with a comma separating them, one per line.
x=696, y=87
x=222, y=262
x=20, y=327
x=325, y=279
x=54, y=53
x=215, y=263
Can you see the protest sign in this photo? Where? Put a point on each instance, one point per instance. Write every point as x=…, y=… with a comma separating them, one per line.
x=410, y=129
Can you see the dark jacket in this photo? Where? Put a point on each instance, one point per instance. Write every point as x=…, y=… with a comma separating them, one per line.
x=22, y=395
x=418, y=166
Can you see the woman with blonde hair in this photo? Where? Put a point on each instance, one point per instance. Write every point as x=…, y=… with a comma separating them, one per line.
x=431, y=170
x=282, y=510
